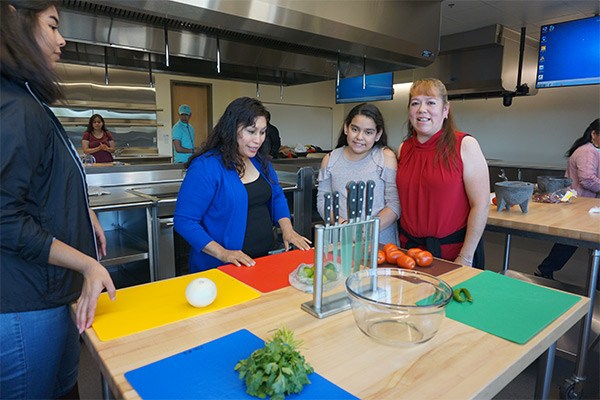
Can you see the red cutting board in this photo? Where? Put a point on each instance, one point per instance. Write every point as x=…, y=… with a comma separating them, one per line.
x=270, y=272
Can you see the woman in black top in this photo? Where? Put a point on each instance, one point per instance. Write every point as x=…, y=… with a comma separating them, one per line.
x=50, y=240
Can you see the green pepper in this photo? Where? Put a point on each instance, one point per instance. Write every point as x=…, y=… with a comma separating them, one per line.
x=461, y=295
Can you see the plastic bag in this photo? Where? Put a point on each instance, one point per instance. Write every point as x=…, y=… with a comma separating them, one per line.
x=302, y=277
x=560, y=196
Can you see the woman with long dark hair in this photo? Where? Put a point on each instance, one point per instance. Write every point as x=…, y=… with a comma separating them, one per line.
x=362, y=151
x=50, y=241
x=443, y=180
x=230, y=198
x=98, y=141
x=584, y=170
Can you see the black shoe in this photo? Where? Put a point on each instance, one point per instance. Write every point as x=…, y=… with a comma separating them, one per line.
x=542, y=275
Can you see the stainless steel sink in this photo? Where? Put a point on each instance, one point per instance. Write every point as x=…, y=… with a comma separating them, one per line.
x=158, y=191
x=142, y=156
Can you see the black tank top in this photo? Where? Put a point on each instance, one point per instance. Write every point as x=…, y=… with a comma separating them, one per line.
x=259, y=238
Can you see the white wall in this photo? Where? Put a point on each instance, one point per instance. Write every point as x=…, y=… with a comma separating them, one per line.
x=534, y=130
x=320, y=94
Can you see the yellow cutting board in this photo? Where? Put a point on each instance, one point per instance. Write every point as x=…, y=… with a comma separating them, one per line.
x=155, y=304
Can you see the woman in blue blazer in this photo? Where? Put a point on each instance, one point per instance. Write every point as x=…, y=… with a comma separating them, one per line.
x=230, y=198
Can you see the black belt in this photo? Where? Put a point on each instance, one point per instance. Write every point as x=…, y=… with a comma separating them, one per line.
x=434, y=244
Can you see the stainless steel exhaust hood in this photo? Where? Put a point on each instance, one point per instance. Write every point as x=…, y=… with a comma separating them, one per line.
x=270, y=41
x=484, y=63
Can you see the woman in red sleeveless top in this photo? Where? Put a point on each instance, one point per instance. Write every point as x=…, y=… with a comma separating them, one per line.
x=442, y=179
x=97, y=141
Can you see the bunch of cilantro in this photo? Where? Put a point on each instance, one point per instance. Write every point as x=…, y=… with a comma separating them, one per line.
x=277, y=369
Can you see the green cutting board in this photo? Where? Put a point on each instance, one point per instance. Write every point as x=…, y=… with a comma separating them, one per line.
x=509, y=308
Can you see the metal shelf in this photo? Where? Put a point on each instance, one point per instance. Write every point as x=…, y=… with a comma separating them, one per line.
x=109, y=122
x=86, y=105
x=123, y=248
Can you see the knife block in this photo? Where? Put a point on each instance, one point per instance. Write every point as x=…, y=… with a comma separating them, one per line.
x=353, y=246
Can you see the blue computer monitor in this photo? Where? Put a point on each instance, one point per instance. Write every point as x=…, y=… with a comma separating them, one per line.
x=569, y=54
x=378, y=87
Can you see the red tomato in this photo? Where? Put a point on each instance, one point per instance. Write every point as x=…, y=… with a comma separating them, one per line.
x=389, y=247
x=380, y=257
x=405, y=261
x=413, y=252
x=392, y=256
x=424, y=259
x=495, y=201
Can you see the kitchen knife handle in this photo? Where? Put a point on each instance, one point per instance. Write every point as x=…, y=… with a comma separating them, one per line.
x=369, y=199
x=336, y=207
x=351, y=200
x=327, y=209
x=360, y=198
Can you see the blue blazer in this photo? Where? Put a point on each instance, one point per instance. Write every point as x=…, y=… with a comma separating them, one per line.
x=212, y=204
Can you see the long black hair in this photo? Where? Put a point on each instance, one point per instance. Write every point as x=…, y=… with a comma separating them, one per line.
x=240, y=113
x=90, y=126
x=20, y=55
x=369, y=111
x=586, y=138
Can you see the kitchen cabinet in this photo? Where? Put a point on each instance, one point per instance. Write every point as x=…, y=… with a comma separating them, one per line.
x=127, y=224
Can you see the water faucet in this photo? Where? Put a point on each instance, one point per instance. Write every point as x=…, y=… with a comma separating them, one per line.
x=120, y=150
x=502, y=174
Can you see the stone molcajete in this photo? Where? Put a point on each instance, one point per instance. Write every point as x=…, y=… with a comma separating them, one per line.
x=550, y=184
x=512, y=193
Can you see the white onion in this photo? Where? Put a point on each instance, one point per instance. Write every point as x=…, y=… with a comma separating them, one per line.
x=201, y=292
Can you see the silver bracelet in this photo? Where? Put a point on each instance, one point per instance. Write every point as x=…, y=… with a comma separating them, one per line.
x=470, y=262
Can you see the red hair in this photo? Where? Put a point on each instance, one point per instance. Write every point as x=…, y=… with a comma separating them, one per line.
x=447, y=147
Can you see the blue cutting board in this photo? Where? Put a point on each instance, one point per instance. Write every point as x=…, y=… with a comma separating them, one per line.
x=206, y=372
x=509, y=308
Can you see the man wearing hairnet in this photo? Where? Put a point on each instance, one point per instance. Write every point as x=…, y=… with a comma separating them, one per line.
x=183, y=135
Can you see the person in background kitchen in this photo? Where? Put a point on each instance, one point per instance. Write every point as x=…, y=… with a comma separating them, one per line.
x=50, y=240
x=362, y=153
x=183, y=135
x=97, y=141
x=442, y=179
x=230, y=197
x=583, y=168
x=273, y=140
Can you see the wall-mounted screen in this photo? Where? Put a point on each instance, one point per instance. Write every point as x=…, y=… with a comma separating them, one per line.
x=569, y=53
x=378, y=87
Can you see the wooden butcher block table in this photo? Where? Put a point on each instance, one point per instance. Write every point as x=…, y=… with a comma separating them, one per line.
x=464, y=362
x=568, y=223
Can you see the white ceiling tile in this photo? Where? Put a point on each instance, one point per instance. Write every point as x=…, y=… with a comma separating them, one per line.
x=466, y=15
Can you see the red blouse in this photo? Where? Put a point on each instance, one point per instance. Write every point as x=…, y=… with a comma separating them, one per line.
x=433, y=199
x=101, y=156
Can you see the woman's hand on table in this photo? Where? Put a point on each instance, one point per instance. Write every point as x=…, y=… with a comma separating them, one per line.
x=290, y=236
x=297, y=240
x=235, y=257
x=95, y=279
x=462, y=260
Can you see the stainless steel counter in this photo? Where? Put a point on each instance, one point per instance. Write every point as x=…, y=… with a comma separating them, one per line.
x=119, y=197
x=142, y=200
x=527, y=165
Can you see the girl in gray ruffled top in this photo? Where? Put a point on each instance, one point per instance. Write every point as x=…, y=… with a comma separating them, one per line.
x=362, y=154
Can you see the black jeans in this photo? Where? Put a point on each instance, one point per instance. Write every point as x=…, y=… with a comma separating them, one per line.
x=557, y=258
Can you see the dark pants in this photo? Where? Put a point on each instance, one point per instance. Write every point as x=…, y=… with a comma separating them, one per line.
x=558, y=257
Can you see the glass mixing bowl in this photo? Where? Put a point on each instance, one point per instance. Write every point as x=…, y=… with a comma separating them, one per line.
x=397, y=306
